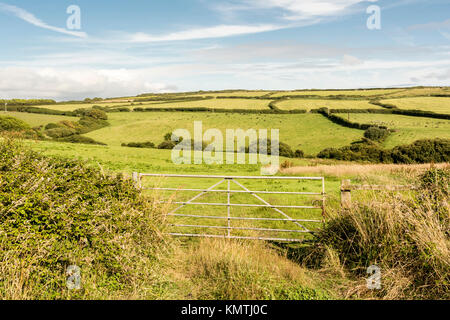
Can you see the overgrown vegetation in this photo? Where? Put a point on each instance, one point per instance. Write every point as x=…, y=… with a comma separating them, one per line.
x=18, y=127
x=69, y=131
x=408, y=238
x=55, y=213
x=421, y=151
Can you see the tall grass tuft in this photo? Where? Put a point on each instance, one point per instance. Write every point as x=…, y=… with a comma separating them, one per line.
x=407, y=237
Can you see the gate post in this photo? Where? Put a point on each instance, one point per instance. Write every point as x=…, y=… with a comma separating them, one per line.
x=136, y=179
x=346, y=193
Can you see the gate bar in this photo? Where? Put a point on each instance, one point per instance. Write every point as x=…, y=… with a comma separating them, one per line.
x=237, y=228
x=226, y=177
x=239, y=205
x=242, y=218
x=244, y=238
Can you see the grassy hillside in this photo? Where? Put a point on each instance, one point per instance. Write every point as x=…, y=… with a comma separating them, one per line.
x=434, y=104
x=309, y=132
x=407, y=129
x=35, y=120
x=251, y=104
x=308, y=104
x=362, y=92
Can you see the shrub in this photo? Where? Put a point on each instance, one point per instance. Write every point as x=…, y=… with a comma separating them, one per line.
x=55, y=213
x=12, y=124
x=299, y=154
x=60, y=132
x=80, y=139
x=139, y=145
x=168, y=145
x=376, y=134
x=96, y=114
x=421, y=151
x=52, y=126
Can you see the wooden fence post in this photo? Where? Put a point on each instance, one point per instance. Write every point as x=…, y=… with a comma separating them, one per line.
x=346, y=194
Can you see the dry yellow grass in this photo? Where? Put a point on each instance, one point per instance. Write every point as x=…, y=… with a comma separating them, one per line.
x=342, y=170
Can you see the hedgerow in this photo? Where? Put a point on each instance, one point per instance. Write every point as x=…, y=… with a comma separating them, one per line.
x=55, y=213
x=421, y=151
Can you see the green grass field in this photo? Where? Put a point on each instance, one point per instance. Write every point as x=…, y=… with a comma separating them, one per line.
x=408, y=129
x=434, y=104
x=212, y=104
x=308, y=132
x=324, y=93
x=35, y=120
x=308, y=104
x=74, y=106
x=128, y=160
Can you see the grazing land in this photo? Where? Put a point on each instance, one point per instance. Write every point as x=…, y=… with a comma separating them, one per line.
x=407, y=129
x=309, y=104
x=309, y=132
x=250, y=104
x=126, y=238
x=324, y=93
x=35, y=120
x=433, y=104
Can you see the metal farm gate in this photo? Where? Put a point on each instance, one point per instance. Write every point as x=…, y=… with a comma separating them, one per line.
x=279, y=210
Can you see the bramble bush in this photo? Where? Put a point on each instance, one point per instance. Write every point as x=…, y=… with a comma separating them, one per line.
x=56, y=212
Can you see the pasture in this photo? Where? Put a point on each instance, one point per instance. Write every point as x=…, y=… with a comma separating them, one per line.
x=407, y=129
x=433, y=104
x=245, y=104
x=35, y=120
x=308, y=132
x=325, y=93
x=308, y=104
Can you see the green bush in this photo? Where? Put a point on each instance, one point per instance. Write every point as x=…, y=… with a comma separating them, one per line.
x=55, y=213
x=167, y=145
x=299, y=154
x=60, y=132
x=149, y=145
x=421, y=151
x=376, y=134
x=76, y=138
x=12, y=124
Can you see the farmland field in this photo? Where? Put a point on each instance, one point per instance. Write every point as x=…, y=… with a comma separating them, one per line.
x=308, y=104
x=251, y=104
x=35, y=120
x=74, y=106
x=408, y=129
x=434, y=104
x=308, y=132
x=364, y=93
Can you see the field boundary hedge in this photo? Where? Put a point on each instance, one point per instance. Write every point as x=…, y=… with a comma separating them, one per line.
x=218, y=110
x=344, y=122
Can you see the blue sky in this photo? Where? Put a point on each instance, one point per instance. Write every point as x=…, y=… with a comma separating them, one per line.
x=135, y=46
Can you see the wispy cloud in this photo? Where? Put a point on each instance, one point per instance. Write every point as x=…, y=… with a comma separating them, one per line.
x=295, y=9
x=220, y=31
x=30, y=18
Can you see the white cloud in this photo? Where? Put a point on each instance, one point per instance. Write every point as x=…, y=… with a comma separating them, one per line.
x=220, y=31
x=63, y=84
x=297, y=9
x=30, y=18
x=349, y=60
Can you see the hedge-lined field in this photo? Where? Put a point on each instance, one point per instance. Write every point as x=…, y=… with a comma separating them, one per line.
x=75, y=106
x=407, y=129
x=433, y=104
x=308, y=132
x=308, y=104
x=35, y=120
x=252, y=104
x=324, y=93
